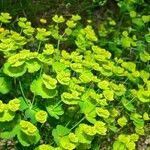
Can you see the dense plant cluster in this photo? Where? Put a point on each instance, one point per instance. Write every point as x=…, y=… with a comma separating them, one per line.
x=63, y=86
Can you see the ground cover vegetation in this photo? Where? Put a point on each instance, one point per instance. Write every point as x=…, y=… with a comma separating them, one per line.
x=75, y=81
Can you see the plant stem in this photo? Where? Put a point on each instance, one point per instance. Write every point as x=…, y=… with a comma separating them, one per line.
x=77, y=123
x=39, y=46
x=40, y=72
x=67, y=123
x=39, y=76
x=33, y=99
x=22, y=92
x=57, y=104
x=58, y=43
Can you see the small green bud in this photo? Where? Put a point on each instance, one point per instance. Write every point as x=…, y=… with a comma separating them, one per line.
x=132, y=14
x=41, y=116
x=122, y=121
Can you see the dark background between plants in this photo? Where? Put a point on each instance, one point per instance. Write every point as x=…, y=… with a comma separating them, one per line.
x=35, y=9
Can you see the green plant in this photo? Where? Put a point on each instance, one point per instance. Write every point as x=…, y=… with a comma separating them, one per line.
x=76, y=96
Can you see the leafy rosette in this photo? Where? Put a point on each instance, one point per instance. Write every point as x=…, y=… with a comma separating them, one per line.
x=18, y=64
x=102, y=112
x=103, y=84
x=109, y=95
x=85, y=134
x=65, y=143
x=86, y=76
x=63, y=77
x=44, y=86
x=122, y=121
x=47, y=147
x=28, y=133
x=101, y=54
x=25, y=26
x=119, y=89
x=70, y=98
x=126, y=142
x=42, y=34
x=10, y=42
x=5, y=85
x=63, y=138
x=100, y=128
x=41, y=116
x=5, y=17
x=46, y=56
x=143, y=95
x=8, y=111
x=106, y=69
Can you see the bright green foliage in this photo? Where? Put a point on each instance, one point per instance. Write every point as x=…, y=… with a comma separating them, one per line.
x=147, y=37
x=44, y=147
x=44, y=89
x=102, y=112
x=42, y=34
x=14, y=104
x=100, y=128
x=63, y=77
x=122, y=121
x=146, y=116
x=128, y=105
x=5, y=17
x=9, y=129
x=74, y=87
x=70, y=98
x=25, y=26
x=66, y=144
x=126, y=41
x=49, y=82
x=59, y=132
x=145, y=56
x=41, y=116
x=103, y=85
x=126, y=142
x=7, y=111
x=58, y=19
x=55, y=110
x=143, y=95
x=108, y=94
x=28, y=133
x=89, y=110
x=5, y=85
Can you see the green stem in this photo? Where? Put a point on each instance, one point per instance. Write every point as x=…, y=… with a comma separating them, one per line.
x=82, y=119
x=39, y=46
x=58, y=43
x=39, y=76
x=33, y=100
x=22, y=92
x=0, y=24
x=128, y=103
x=40, y=72
x=21, y=31
x=67, y=123
x=77, y=123
x=57, y=104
